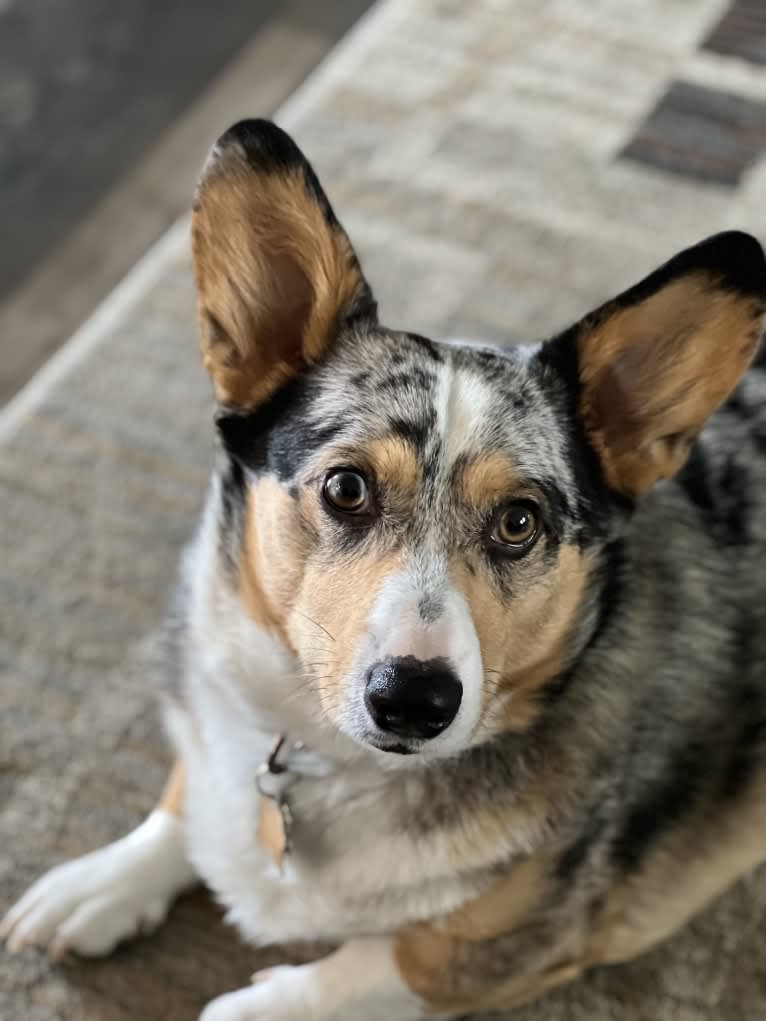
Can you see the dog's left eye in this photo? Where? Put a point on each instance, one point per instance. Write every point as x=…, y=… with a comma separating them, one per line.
x=516, y=528
x=347, y=491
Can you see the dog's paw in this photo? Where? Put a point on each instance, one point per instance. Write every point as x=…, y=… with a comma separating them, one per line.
x=359, y=982
x=91, y=904
x=279, y=994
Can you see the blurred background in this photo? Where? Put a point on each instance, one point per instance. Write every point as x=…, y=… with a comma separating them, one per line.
x=502, y=166
x=106, y=112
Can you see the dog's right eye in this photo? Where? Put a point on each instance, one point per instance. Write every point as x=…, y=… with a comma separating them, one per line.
x=346, y=491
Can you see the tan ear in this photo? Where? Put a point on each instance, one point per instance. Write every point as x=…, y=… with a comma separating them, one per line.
x=276, y=275
x=658, y=360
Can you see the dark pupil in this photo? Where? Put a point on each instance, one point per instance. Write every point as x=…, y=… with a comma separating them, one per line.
x=347, y=489
x=517, y=521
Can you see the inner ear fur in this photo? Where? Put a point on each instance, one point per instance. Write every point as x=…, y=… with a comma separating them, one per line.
x=657, y=361
x=275, y=272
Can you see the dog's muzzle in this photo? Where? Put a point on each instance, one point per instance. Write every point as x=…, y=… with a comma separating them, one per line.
x=412, y=698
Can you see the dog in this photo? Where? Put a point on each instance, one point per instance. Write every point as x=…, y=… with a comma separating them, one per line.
x=470, y=649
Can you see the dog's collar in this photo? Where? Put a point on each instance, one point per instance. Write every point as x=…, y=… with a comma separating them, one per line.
x=274, y=816
x=276, y=765
x=272, y=779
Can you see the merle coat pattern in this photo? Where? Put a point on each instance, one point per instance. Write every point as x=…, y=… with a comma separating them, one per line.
x=570, y=534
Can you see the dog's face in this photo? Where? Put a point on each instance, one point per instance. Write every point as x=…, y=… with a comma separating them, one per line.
x=416, y=534
x=430, y=529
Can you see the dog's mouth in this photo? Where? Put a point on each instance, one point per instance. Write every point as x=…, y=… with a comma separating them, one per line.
x=398, y=747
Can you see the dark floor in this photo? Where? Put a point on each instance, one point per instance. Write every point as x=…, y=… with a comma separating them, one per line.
x=86, y=86
x=87, y=89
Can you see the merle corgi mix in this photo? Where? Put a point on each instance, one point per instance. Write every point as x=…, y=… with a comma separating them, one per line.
x=472, y=656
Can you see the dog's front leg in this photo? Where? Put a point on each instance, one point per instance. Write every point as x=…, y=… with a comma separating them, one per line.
x=359, y=982
x=91, y=904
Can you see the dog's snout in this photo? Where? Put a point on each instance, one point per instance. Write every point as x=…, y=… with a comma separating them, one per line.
x=412, y=698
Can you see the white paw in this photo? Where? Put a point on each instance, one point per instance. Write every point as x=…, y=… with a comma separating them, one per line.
x=91, y=904
x=280, y=994
x=359, y=982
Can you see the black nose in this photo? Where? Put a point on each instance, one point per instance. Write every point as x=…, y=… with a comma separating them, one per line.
x=412, y=698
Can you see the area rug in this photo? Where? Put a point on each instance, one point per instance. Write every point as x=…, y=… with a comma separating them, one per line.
x=502, y=166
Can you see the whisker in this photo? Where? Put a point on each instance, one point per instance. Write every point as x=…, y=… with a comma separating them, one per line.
x=494, y=685
x=315, y=623
x=312, y=683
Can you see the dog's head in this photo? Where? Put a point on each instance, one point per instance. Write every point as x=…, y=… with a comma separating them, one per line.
x=429, y=529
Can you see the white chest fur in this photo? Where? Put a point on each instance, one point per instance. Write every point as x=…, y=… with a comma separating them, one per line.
x=359, y=864
x=354, y=868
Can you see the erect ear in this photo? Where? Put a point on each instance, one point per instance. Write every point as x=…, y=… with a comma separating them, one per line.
x=276, y=274
x=655, y=362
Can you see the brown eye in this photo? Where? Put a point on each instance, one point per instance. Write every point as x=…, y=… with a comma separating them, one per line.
x=346, y=491
x=516, y=528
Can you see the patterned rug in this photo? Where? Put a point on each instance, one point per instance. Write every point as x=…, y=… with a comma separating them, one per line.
x=502, y=166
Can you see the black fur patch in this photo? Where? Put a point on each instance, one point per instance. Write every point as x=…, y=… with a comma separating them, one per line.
x=734, y=514
x=560, y=514
x=612, y=579
x=277, y=437
x=233, y=503
x=427, y=347
x=416, y=431
x=722, y=497
x=270, y=150
x=694, y=479
x=595, y=507
x=413, y=379
x=664, y=804
x=748, y=746
x=576, y=854
x=744, y=712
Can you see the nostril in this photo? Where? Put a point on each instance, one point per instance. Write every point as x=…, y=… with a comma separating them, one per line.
x=445, y=698
x=392, y=721
x=411, y=697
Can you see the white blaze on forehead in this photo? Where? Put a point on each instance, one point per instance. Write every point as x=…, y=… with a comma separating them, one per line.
x=463, y=403
x=398, y=629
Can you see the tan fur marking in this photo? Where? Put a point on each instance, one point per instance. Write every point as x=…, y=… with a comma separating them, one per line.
x=488, y=479
x=522, y=642
x=317, y=608
x=272, y=277
x=172, y=798
x=428, y=970
x=331, y=616
x=422, y=954
x=432, y=956
x=394, y=463
x=268, y=583
x=653, y=373
x=523, y=989
x=500, y=908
